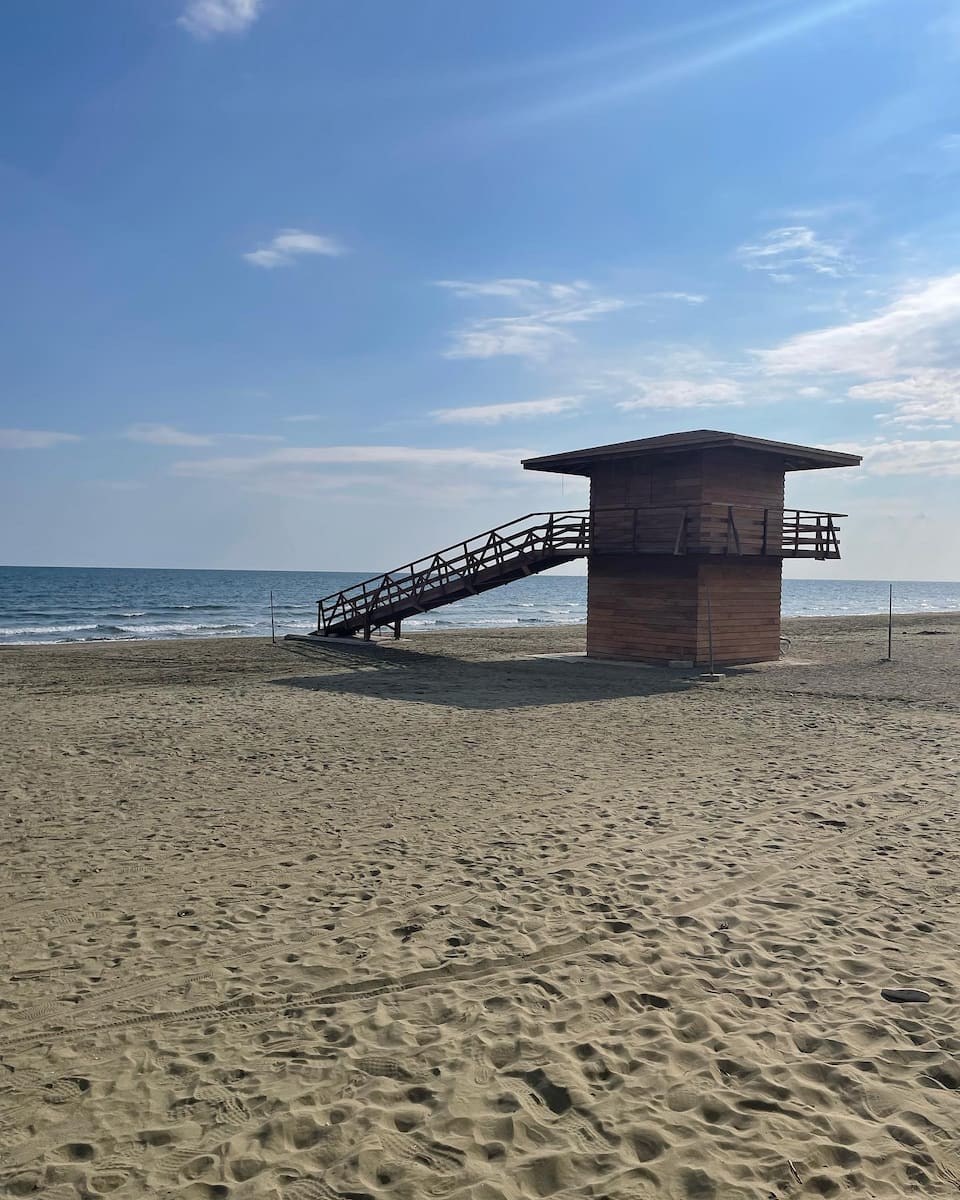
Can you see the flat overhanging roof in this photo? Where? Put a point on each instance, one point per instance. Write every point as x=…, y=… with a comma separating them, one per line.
x=794, y=458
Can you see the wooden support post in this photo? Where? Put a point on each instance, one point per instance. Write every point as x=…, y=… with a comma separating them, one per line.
x=766, y=523
x=732, y=528
x=396, y=630
x=890, y=627
x=366, y=632
x=679, y=546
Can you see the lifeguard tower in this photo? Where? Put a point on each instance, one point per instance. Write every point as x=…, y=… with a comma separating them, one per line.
x=685, y=539
x=689, y=522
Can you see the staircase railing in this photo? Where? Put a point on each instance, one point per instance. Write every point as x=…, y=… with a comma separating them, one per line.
x=539, y=538
x=542, y=534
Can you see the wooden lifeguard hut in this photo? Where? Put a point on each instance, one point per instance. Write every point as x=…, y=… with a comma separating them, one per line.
x=689, y=526
x=685, y=539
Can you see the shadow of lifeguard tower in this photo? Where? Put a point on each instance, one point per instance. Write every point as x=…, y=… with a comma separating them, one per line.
x=684, y=538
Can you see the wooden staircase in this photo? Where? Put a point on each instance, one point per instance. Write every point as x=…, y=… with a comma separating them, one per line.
x=525, y=546
x=542, y=540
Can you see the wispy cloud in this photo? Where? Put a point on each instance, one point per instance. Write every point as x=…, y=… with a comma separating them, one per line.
x=34, y=439
x=165, y=435
x=529, y=290
x=782, y=252
x=665, y=376
x=493, y=414
x=683, y=393
x=681, y=297
x=540, y=327
x=209, y=18
x=755, y=37
x=288, y=245
x=503, y=337
x=625, y=46
x=927, y=399
x=169, y=435
x=912, y=458
x=368, y=474
x=918, y=330
x=334, y=456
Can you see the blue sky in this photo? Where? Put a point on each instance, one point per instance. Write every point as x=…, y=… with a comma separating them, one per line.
x=295, y=284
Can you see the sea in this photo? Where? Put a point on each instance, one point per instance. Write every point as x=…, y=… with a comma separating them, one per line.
x=104, y=604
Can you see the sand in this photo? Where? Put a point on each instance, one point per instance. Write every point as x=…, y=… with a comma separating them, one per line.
x=444, y=918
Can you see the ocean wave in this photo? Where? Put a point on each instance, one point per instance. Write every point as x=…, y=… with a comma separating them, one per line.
x=66, y=606
x=197, y=607
x=26, y=614
x=45, y=629
x=101, y=632
x=176, y=628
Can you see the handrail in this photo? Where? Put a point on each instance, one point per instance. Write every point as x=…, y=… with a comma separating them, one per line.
x=493, y=547
x=538, y=539
x=408, y=567
x=458, y=545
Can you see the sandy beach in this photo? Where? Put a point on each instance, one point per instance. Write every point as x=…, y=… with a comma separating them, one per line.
x=446, y=917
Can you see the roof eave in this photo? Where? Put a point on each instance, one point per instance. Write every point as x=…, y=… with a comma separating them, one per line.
x=795, y=458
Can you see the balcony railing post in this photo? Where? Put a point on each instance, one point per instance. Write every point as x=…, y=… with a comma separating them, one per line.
x=680, y=543
x=732, y=529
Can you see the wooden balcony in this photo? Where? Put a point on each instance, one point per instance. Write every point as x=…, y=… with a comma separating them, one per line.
x=712, y=528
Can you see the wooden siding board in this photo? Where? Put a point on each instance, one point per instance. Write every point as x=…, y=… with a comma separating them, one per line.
x=653, y=608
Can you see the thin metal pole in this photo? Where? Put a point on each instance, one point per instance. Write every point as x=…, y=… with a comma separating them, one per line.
x=890, y=626
x=709, y=625
x=273, y=627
